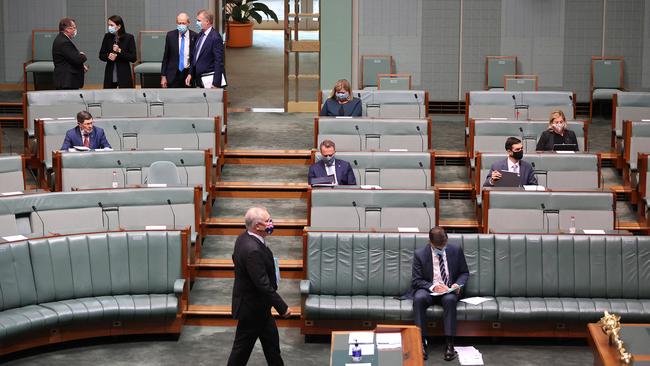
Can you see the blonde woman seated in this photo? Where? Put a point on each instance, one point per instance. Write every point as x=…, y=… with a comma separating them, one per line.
x=557, y=134
x=341, y=102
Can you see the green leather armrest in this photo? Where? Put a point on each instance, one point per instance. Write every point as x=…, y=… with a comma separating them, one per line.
x=179, y=286
x=304, y=287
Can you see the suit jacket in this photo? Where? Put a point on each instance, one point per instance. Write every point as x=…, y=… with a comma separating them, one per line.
x=547, y=140
x=255, y=288
x=68, y=63
x=210, y=58
x=331, y=107
x=344, y=173
x=526, y=172
x=171, y=53
x=422, y=270
x=122, y=62
x=97, y=139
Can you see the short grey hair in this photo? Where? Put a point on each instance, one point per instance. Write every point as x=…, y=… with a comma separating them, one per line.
x=206, y=14
x=254, y=216
x=184, y=15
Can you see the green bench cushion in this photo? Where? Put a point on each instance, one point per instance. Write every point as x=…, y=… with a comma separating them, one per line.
x=40, y=66
x=148, y=68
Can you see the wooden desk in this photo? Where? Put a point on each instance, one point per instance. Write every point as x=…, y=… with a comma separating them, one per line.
x=409, y=355
x=606, y=355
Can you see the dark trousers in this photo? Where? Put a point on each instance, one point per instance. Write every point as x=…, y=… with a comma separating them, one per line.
x=248, y=330
x=179, y=79
x=423, y=299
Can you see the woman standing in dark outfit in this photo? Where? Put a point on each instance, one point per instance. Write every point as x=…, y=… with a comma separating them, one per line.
x=118, y=51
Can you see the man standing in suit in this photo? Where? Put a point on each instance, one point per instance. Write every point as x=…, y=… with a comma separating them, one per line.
x=514, y=164
x=176, y=58
x=69, y=65
x=255, y=291
x=439, y=272
x=339, y=170
x=208, y=54
x=85, y=134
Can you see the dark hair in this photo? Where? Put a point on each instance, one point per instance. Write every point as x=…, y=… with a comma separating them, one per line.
x=118, y=21
x=65, y=23
x=512, y=141
x=83, y=116
x=438, y=235
x=327, y=143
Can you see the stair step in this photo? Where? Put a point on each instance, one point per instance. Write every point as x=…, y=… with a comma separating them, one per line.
x=223, y=268
x=222, y=246
x=456, y=186
x=461, y=225
x=261, y=189
x=235, y=225
x=281, y=157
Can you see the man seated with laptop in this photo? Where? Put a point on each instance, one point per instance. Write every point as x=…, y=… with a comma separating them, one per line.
x=330, y=171
x=512, y=171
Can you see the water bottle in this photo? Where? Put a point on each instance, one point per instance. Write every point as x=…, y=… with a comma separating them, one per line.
x=356, y=352
x=114, y=184
x=572, y=228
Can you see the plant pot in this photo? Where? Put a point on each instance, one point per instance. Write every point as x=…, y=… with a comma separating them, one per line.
x=240, y=35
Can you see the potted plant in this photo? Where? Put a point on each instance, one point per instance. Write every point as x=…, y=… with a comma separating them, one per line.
x=240, y=15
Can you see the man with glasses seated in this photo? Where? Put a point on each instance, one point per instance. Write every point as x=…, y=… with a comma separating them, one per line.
x=512, y=164
x=330, y=171
x=69, y=67
x=85, y=136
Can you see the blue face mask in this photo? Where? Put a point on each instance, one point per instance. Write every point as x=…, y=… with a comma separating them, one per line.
x=269, y=227
x=199, y=25
x=437, y=251
x=328, y=160
x=112, y=29
x=342, y=95
x=181, y=28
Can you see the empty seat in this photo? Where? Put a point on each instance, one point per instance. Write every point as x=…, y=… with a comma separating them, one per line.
x=163, y=172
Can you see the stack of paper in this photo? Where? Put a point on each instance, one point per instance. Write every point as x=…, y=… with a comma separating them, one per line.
x=365, y=340
x=389, y=340
x=469, y=356
x=475, y=300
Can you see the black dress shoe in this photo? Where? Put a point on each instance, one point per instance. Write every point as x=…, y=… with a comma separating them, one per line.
x=450, y=353
x=425, y=346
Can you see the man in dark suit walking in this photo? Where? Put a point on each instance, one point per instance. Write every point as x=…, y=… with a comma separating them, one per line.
x=514, y=164
x=69, y=65
x=176, y=61
x=208, y=54
x=339, y=171
x=439, y=269
x=85, y=134
x=255, y=291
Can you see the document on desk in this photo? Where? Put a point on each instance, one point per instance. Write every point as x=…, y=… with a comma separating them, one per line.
x=594, y=232
x=361, y=337
x=14, y=237
x=475, y=300
x=389, y=340
x=469, y=356
x=533, y=188
x=408, y=229
x=358, y=364
x=366, y=349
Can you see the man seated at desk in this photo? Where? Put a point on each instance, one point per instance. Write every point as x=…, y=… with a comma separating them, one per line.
x=338, y=171
x=514, y=164
x=85, y=134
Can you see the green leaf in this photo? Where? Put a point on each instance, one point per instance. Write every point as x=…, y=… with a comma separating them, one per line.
x=256, y=16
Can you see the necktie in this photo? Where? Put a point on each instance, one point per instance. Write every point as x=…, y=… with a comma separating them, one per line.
x=181, y=55
x=199, y=44
x=86, y=141
x=516, y=169
x=443, y=271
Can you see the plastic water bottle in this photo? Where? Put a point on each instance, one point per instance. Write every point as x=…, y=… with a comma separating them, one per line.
x=114, y=184
x=572, y=228
x=356, y=352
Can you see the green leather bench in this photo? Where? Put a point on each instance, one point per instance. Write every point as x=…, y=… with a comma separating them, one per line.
x=388, y=103
x=636, y=141
x=393, y=170
x=538, y=285
x=63, y=288
x=516, y=210
x=40, y=65
x=373, y=65
x=644, y=186
x=383, y=208
x=628, y=106
x=12, y=170
x=374, y=133
x=496, y=68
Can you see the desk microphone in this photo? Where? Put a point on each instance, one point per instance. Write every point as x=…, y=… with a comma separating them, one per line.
x=205, y=97
x=356, y=127
x=426, y=180
x=540, y=172
x=197, y=136
x=187, y=176
x=356, y=165
x=146, y=101
x=356, y=209
x=545, y=213
x=108, y=219
x=421, y=137
x=169, y=202
x=83, y=100
x=119, y=137
x=516, y=113
x=428, y=214
x=40, y=218
x=417, y=100
x=119, y=163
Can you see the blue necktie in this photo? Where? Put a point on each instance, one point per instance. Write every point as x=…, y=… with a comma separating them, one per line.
x=443, y=271
x=181, y=55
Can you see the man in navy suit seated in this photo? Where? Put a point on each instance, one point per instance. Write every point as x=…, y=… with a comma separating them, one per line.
x=339, y=171
x=207, y=54
x=85, y=134
x=514, y=164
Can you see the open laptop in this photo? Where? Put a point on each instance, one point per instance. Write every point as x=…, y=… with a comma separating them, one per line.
x=565, y=147
x=326, y=181
x=508, y=179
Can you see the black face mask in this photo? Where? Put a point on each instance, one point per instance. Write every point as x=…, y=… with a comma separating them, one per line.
x=518, y=155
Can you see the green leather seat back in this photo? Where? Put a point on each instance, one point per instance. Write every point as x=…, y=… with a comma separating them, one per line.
x=17, y=287
x=106, y=264
x=497, y=69
x=378, y=134
x=399, y=104
x=639, y=142
x=43, y=45
x=11, y=174
x=152, y=46
x=520, y=84
x=630, y=106
x=501, y=104
x=394, y=83
x=373, y=65
x=607, y=74
x=479, y=255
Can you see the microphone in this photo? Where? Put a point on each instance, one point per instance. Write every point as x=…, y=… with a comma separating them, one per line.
x=169, y=202
x=428, y=214
x=40, y=218
x=515, y=111
x=540, y=172
x=187, y=176
x=197, y=136
x=119, y=163
x=545, y=213
x=421, y=137
x=356, y=209
x=356, y=127
x=523, y=137
x=356, y=165
x=119, y=137
x=108, y=219
x=205, y=97
x=417, y=100
x=146, y=101
x=83, y=100
x=426, y=181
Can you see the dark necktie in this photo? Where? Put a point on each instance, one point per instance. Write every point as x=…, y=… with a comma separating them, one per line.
x=86, y=140
x=443, y=271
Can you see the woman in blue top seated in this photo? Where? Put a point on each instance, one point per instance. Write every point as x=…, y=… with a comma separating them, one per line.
x=341, y=102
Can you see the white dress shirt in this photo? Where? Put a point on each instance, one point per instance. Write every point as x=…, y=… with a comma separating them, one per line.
x=437, y=277
x=331, y=170
x=186, y=50
x=513, y=167
x=257, y=236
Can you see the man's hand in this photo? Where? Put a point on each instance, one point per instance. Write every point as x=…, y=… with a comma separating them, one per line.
x=86, y=68
x=496, y=175
x=163, y=81
x=457, y=287
x=287, y=314
x=188, y=80
x=112, y=56
x=440, y=288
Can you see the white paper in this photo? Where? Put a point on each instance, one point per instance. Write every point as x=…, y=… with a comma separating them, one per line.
x=528, y=187
x=565, y=152
x=70, y=149
x=408, y=230
x=358, y=364
x=394, y=340
x=475, y=300
x=172, y=148
x=81, y=148
x=469, y=356
x=587, y=231
x=155, y=227
x=207, y=81
x=14, y=237
x=156, y=185
x=344, y=117
x=369, y=186
x=498, y=119
x=361, y=337
x=104, y=149
x=366, y=349
x=14, y=193
x=395, y=150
